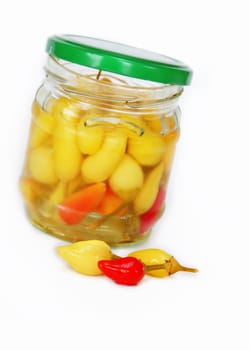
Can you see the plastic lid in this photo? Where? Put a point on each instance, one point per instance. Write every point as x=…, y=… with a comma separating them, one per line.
x=119, y=58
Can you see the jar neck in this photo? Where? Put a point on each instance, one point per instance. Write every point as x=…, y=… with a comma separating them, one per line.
x=108, y=90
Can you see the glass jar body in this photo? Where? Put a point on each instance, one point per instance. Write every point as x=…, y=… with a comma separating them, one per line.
x=99, y=154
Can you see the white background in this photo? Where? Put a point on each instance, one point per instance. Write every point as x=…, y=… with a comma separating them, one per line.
x=45, y=305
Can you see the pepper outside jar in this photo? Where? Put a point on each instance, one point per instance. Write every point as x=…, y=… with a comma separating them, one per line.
x=104, y=128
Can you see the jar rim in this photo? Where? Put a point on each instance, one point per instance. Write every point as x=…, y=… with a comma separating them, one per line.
x=119, y=58
x=54, y=63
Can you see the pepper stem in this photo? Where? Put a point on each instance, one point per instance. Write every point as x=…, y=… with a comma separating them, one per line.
x=188, y=269
x=116, y=257
x=148, y=268
x=175, y=267
x=171, y=265
x=99, y=74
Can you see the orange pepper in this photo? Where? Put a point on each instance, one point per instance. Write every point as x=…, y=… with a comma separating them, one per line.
x=110, y=203
x=75, y=207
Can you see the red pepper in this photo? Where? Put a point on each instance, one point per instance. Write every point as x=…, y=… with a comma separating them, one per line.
x=148, y=219
x=128, y=271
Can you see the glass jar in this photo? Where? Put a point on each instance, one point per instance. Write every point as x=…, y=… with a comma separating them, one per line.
x=105, y=123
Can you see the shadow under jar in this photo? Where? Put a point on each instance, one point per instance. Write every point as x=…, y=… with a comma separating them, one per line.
x=104, y=127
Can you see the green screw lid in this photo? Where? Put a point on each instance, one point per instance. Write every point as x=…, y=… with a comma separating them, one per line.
x=119, y=58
